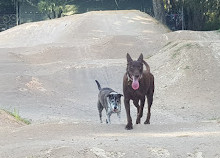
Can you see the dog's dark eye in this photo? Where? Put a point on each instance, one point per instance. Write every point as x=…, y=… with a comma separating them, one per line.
x=110, y=97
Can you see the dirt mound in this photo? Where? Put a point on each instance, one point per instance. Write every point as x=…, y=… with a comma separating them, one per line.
x=8, y=122
x=187, y=72
x=84, y=29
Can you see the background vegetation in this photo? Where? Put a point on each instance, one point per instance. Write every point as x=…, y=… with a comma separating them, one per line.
x=197, y=14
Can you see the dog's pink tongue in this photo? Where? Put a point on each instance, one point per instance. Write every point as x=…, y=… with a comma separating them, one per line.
x=135, y=84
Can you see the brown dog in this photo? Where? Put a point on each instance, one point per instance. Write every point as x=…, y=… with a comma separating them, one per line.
x=137, y=83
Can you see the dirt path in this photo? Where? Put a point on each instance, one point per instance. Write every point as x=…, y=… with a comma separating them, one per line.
x=94, y=140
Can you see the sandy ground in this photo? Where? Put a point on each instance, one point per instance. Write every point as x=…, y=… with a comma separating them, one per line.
x=47, y=73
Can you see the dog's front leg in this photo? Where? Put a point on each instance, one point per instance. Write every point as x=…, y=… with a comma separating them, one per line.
x=119, y=116
x=135, y=102
x=129, y=120
x=140, y=114
x=108, y=121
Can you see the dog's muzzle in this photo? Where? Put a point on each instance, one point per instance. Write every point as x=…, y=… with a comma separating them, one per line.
x=131, y=77
x=135, y=81
x=116, y=109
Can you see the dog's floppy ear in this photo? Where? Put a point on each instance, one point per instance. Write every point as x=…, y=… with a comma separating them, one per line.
x=109, y=95
x=140, y=57
x=129, y=58
x=120, y=95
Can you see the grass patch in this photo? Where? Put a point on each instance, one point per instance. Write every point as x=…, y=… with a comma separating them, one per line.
x=168, y=43
x=177, y=51
x=217, y=119
x=175, y=54
x=188, y=46
x=149, y=56
x=175, y=44
x=187, y=67
x=15, y=114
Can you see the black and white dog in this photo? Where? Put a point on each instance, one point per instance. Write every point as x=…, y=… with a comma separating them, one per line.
x=110, y=100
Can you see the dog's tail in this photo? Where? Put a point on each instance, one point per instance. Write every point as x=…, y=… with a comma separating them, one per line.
x=99, y=87
x=147, y=66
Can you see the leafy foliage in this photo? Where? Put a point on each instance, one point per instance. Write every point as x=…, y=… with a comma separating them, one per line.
x=55, y=8
x=7, y=7
x=198, y=14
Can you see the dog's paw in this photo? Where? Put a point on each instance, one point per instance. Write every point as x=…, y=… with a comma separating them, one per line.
x=138, y=121
x=147, y=122
x=129, y=126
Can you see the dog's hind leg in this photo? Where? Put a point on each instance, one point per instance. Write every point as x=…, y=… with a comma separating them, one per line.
x=149, y=101
x=100, y=108
x=150, y=94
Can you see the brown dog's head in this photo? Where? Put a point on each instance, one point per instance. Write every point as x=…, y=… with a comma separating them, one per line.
x=135, y=70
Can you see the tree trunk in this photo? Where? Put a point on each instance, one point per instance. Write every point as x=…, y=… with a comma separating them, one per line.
x=117, y=6
x=53, y=13
x=159, y=12
x=17, y=12
x=59, y=13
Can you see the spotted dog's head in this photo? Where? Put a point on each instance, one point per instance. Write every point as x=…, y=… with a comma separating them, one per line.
x=114, y=102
